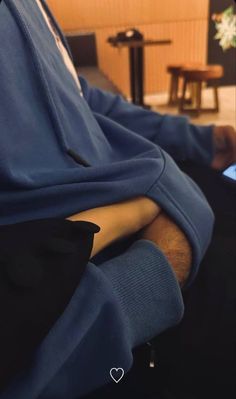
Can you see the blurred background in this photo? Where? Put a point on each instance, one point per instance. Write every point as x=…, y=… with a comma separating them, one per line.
x=189, y=26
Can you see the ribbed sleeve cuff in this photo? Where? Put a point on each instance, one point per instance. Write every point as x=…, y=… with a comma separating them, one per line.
x=147, y=290
x=203, y=150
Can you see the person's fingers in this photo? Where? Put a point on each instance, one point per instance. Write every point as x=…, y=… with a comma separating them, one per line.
x=231, y=142
x=225, y=147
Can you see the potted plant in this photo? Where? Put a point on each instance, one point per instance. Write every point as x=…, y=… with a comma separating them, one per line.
x=225, y=24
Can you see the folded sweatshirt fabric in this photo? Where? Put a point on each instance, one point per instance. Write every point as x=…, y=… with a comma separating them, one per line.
x=47, y=127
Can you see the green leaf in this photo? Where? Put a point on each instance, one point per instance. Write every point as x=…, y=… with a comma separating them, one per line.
x=229, y=11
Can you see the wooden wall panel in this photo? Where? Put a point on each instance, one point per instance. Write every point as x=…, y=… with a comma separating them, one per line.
x=87, y=14
x=184, y=22
x=114, y=62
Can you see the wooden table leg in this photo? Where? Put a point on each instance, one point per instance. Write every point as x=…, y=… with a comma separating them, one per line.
x=198, y=98
x=216, y=98
x=182, y=98
x=170, y=102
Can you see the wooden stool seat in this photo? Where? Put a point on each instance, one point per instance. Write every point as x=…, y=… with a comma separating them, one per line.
x=174, y=68
x=204, y=73
x=198, y=76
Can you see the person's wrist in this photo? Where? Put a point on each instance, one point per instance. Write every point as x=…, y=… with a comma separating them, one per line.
x=135, y=214
x=147, y=210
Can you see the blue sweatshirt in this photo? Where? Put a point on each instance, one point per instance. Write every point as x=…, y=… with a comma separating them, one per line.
x=125, y=298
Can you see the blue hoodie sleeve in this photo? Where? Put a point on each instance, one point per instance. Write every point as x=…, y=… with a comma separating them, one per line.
x=120, y=304
x=175, y=134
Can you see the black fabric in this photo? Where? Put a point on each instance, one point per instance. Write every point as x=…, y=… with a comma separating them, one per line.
x=196, y=359
x=41, y=265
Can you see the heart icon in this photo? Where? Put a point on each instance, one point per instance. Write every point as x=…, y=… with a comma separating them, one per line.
x=117, y=374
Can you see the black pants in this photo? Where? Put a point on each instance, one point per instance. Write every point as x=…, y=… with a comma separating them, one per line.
x=196, y=359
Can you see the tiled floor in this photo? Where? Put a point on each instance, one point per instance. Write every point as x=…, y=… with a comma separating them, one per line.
x=226, y=116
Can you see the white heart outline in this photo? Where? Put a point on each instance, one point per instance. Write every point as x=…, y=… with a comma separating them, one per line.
x=117, y=369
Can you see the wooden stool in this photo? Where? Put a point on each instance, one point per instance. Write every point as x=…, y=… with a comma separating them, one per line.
x=197, y=76
x=174, y=71
x=175, y=75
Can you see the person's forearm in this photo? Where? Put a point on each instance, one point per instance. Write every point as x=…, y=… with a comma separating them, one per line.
x=118, y=220
x=171, y=240
x=178, y=253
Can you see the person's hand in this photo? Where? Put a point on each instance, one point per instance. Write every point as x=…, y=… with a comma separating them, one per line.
x=119, y=220
x=224, y=139
x=171, y=240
